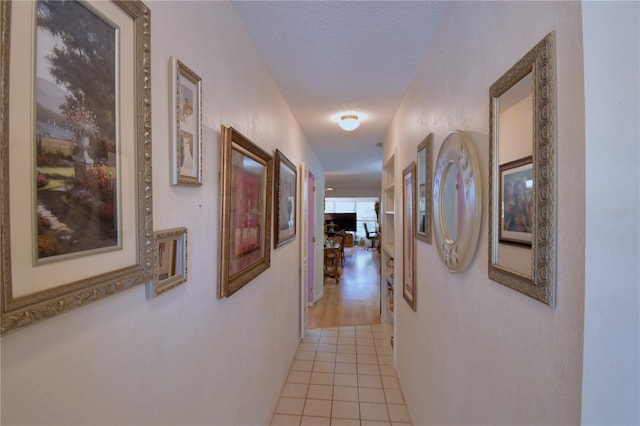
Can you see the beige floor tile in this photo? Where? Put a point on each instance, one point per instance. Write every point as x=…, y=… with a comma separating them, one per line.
x=364, y=341
x=329, y=332
x=299, y=377
x=327, y=347
x=317, y=408
x=324, y=367
x=397, y=424
x=321, y=378
x=325, y=356
x=301, y=365
x=398, y=413
x=385, y=359
x=369, y=369
x=345, y=380
x=347, y=333
x=387, y=370
x=320, y=392
x=346, y=368
x=344, y=422
x=305, y=355
x=309, y=347
x=346, y=340
x=371, y=395
x=313, y=332
x=390, y=382
x=292, y=406
x=343, y=357
x=393, y=396
x=295, y=390
x=329, y=339
x=345, y=410
x=367, y=359
x=285, y=420
x=346, y=349
x=374, y=423
x=345, y=393
x=365, y=350
x=315, y=421
x=311, y=339
x=370, y=411
x=365, y=381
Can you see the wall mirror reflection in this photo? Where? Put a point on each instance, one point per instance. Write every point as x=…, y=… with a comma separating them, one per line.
x=425, y=187
x=522, y=175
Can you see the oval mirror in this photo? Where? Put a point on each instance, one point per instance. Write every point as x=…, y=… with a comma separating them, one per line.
x=457, y=201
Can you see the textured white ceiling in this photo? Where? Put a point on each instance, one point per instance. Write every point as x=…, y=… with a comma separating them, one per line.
x=332, y=56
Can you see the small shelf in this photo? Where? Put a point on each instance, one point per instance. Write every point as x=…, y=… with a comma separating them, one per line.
x=390, y=212
x=389, y=248
x=390, y=188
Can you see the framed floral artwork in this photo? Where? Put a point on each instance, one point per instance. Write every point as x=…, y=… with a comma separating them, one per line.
x=76, y=187
x=170, y=261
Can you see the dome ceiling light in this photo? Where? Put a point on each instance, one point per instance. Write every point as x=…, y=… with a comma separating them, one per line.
x=349, y=122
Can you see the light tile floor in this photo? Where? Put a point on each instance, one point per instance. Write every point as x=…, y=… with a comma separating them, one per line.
x=342, y=376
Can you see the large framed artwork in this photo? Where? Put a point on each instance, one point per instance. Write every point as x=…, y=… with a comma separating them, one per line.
x=171, y=258
x=76, y=154
x=285, y=200
x=186, y=125
x=408, y=235
x=516, y=202
x=245, y=225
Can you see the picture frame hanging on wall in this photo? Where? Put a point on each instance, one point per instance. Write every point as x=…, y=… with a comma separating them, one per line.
x=186, y=125
x=245, y=225
x=171, y=258
x=408, y=235
x=285, y=179
x=76, y=175
x=516, y=202
x=424, y=206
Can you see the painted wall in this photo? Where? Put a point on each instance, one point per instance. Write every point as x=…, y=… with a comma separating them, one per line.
x=611, y=376
x=477, y=352
x=184, y=357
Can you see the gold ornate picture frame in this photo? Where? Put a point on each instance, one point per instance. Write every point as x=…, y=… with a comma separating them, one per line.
x=424, y=170
x=33, y=291
x=286, y=201
x=245, y=211
x=408, y=235
x=521, y=125
x=171, y=257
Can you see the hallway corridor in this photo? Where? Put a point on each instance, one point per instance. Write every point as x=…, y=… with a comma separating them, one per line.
x=342, y=376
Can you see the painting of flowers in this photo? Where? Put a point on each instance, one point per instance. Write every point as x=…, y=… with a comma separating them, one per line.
x=76, y=178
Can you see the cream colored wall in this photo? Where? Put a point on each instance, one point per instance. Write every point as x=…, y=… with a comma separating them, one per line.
x=477, y=352
x=184, y=357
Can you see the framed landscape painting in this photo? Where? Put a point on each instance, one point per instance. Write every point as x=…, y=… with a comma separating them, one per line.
x=285, y=200
x=76, y=185
x=408, y=235
x=245, y=225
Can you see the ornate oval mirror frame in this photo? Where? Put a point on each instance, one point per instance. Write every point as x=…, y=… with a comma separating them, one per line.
x=533, y=244
x=457, y=150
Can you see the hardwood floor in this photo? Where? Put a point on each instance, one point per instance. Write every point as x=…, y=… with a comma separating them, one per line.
x=356, y=299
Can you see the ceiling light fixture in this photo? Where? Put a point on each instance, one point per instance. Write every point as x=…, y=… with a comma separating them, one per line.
x=349, y=122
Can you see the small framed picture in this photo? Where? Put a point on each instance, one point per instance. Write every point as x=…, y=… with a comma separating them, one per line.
x=186, y=125
x=425, y=189
x=170, y=266
x=408, y=235
x=516, y=202
x=285, y=200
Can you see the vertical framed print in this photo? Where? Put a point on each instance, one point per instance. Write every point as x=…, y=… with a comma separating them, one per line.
x=186, y=125
x=424, y=177
x=285, y=200
x=76, y=152
x=408, y=235
x=245, y=225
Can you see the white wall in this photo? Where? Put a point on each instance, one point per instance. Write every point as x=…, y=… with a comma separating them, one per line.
x=610, y=392
x=184, y=357
x=477, y=352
